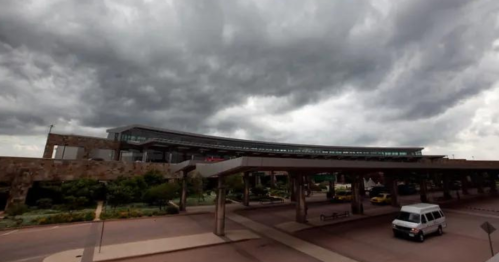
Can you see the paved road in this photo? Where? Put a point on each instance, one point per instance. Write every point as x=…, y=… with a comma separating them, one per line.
x=372, y=240
x=32, y=245
x=365, y=241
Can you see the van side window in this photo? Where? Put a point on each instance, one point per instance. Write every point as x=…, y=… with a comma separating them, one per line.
x=423, y=219
x=436, y=214
x=430, y=217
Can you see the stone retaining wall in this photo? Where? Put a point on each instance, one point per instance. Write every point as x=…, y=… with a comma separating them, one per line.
x=20, y=173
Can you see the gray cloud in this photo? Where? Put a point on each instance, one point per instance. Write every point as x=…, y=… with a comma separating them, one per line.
x=104, y=65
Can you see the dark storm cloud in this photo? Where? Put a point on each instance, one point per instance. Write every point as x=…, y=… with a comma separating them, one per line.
x=175, y=65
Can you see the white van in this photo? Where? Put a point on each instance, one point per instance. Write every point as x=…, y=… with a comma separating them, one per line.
x=419, y=220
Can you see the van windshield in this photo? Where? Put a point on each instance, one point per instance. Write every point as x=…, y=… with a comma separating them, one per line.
x=409, y=217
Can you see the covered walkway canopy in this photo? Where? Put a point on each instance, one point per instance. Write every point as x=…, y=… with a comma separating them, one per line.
x=245, y=164
x=298, y=168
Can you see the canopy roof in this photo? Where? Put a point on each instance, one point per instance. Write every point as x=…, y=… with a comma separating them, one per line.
x=311, y=166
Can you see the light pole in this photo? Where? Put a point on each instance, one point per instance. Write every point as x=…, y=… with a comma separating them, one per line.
x=50, y=129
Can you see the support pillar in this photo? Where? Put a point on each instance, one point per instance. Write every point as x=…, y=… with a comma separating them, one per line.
x=308, y=180
x=220, y=208
x=492, y=181
x=362, y=188
x=357, y=206
x=183, y=196
x=19, y=188
x=301, y=204
x=464, y=184
x=479, y=183
x=423, y=189
x=272, y=179
x=246, y=189
x=331, y=188
x=292, y=184
x=446, y=185
x=393, y=184
x=258, y=181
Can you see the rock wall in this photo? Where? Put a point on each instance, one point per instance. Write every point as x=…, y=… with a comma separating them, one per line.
x=22, y=172
x=42, y=169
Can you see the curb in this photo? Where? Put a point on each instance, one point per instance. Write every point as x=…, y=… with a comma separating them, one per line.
x=99, y=221
x=364, y=217
x=172, y=251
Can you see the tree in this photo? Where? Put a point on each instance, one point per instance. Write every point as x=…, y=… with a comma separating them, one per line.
x=235, y=184
x=132, y=188
x=196, y=186
x=90, y=189
x=260, y=191
x=119, y=194
x=74, y=203
x=160, y=195
x=153, y=178
x=16, y=210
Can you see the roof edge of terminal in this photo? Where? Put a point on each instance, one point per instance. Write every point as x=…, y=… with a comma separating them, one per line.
x=128, y=127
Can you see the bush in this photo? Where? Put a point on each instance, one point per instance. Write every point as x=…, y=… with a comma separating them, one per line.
x=66, y=218
x=160, y=195
x=171, y=210
x=260, y=191
x=16, y=210
x=44, y=203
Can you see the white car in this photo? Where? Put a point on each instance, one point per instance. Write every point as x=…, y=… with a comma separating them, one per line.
x=419, y=220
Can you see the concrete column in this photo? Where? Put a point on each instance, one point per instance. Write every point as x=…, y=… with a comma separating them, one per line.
x=464, y=184
x=479, y=183
x=362, y=187
x=183, y=196
x=357, y=206
x=308, y=180
x=272, y=179
x=220, y=208
x=492, y=181
x=246, y=189
x=292, y=184
x=446, y=185
x=331, y=188
x=393, y=187
x=19, y=188
x=423, y=189
x=301, y=204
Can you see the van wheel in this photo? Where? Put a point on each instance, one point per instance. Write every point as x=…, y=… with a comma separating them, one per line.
x=440, y=231
x=421, y=237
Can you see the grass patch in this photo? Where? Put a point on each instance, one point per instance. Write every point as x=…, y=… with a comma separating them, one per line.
x=135, y=210
x=37, y=216
x=195, y=201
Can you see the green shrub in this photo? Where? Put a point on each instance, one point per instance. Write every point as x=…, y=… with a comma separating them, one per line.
x=171, y=210
x=66, y=218
x=89, y=216
x=44, y=203
x=16, y=210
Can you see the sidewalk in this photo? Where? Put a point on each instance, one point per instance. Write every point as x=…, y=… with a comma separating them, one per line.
x=293, y=226
x=305, y=247
x=151, y=247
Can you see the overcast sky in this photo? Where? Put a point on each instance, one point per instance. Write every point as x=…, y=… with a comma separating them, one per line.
x=358, y=72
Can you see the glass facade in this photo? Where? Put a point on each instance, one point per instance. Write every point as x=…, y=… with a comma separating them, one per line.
x=141, y=135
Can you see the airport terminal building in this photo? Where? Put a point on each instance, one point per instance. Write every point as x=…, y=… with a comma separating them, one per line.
x=150, y=144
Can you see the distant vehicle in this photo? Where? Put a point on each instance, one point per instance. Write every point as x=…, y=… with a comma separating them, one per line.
x=418, y=221
x=96, y=159
x=407, y=189
x=375, y=191
x=342, y=196
x=382, y=198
